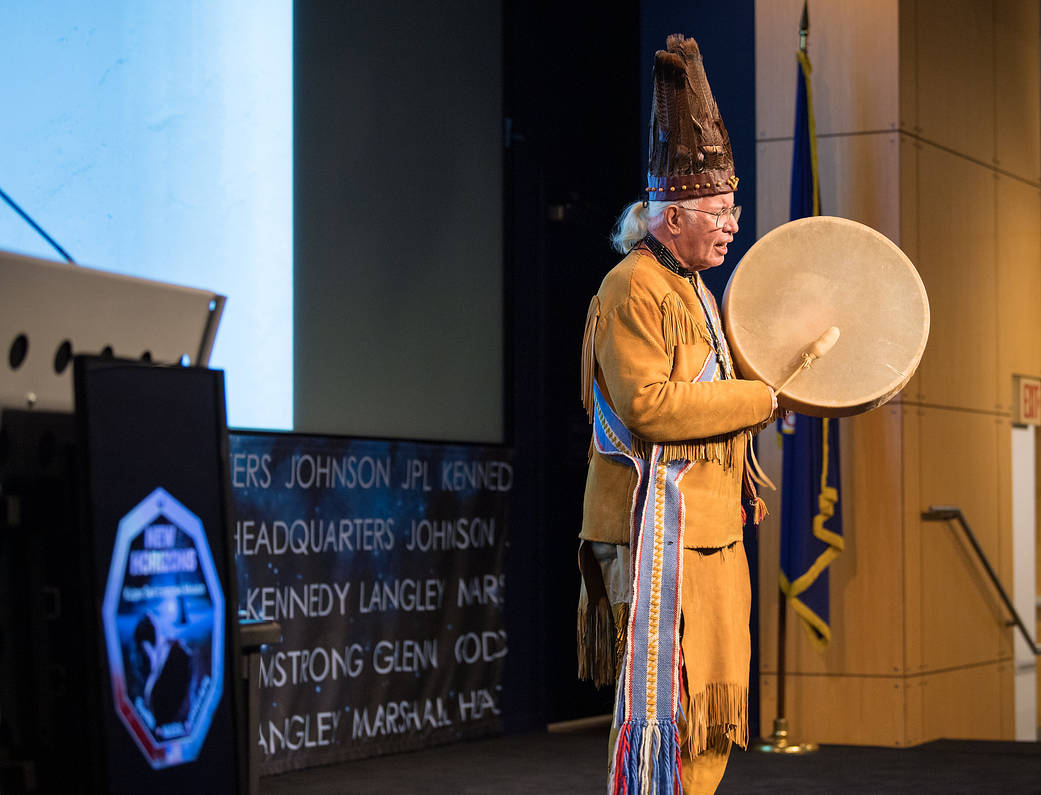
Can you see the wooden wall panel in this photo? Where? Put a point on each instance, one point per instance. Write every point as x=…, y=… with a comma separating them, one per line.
x=853, y=50
x=1018, y=257
x=907, y=197
x=912, y=504
x=962, y=618
x=1007, y=698
x=859, y=176
x=1002, y=559
x=914, y=710
x=966, y=704
x=769, y=455
x=1018, y=86
x=847, y=710
x=955, y=59
x=956, y=262
x=866, y=580
x=907, y=202
x=776, y=40
x=773, y=181
x=907, y=36
x=960, y=80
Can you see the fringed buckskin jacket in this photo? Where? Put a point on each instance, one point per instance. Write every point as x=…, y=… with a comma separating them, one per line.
x=646, y=343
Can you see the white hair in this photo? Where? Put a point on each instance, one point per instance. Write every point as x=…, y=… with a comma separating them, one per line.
x=634, y=222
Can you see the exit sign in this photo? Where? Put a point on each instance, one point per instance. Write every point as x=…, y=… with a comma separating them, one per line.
x=1026, y=400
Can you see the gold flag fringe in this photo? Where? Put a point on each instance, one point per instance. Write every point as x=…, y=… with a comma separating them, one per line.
x=722, y=707
x=596, y=643
x=589, y=355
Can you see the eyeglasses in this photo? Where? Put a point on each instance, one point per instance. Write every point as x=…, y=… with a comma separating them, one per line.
x=721, y=216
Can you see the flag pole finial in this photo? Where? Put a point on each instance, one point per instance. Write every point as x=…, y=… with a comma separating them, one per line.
x=804, y=25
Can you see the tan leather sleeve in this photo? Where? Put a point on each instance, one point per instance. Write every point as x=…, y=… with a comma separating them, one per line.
x=630, y=350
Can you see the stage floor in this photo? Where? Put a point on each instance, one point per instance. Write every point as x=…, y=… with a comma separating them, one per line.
x=575, y=762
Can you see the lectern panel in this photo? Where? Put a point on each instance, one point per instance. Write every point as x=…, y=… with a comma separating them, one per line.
x=154, y=449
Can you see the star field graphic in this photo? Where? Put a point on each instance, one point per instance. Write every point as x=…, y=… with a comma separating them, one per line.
x=383, y=563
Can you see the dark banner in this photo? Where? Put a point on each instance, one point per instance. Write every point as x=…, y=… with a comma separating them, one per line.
x=383, y=562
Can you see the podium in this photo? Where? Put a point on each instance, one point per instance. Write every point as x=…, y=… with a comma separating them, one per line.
x=121, y=672
x=120, y=664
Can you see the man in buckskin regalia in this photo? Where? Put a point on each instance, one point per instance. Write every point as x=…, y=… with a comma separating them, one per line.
x=664, y=609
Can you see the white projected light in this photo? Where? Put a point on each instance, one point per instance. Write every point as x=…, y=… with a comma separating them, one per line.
x=155, y=139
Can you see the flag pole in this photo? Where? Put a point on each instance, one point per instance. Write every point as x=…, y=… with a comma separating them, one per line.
x=778, y=742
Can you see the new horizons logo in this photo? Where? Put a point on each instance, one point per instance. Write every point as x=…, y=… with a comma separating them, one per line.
x=163, y=617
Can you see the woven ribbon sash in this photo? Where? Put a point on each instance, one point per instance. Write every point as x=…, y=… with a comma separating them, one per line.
x=646, y=757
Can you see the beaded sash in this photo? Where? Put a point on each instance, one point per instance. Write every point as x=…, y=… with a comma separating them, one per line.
x=646, y=757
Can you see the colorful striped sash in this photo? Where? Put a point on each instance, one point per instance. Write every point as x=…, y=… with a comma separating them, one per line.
x=646, y=756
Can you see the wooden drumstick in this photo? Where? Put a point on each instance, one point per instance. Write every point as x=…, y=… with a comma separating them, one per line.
x=824, y=343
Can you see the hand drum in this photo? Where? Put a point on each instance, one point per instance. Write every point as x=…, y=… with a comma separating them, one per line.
x=807, y=276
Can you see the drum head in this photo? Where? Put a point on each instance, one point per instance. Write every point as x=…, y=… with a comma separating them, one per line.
x=805, y=276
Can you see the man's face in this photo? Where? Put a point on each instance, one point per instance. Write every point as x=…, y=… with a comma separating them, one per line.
x=701, y=244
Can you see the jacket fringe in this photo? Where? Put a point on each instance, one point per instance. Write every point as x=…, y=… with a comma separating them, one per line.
x=760, y=511
x=678, y=325
x=680, y=328
x=719, y=449
x=589, y=356
x=620, y=612
x=721, y=708
x=596, y=643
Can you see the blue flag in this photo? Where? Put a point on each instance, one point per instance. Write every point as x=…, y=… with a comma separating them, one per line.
x=811, y=520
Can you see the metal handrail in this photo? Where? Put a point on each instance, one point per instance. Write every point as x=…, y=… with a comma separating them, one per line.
x=946, y=513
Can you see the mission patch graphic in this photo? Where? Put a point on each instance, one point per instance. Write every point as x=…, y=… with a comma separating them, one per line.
x=163, y=618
